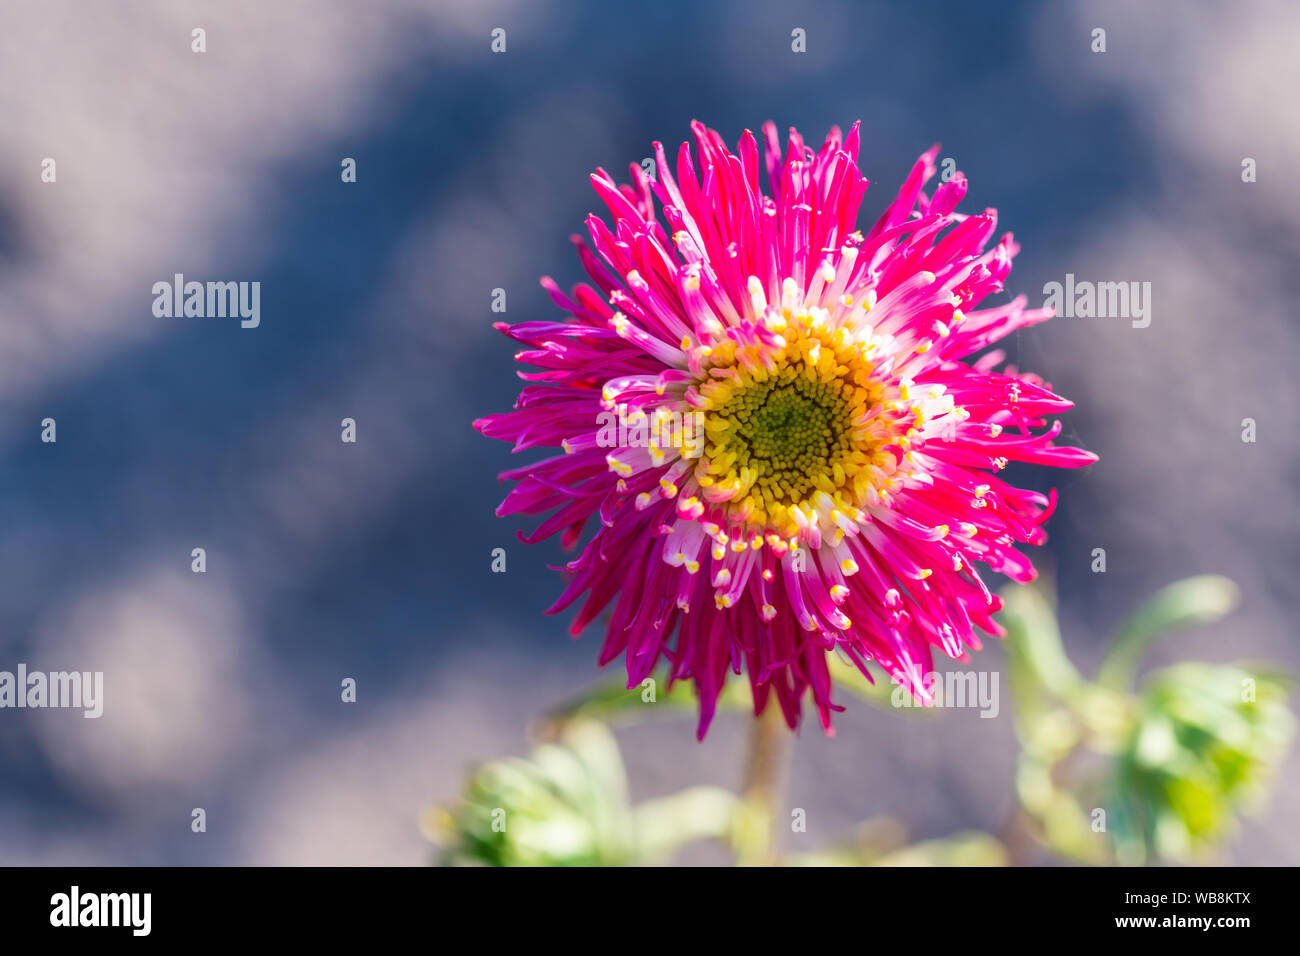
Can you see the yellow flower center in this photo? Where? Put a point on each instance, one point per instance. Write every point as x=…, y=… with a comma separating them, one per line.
x=789, y=420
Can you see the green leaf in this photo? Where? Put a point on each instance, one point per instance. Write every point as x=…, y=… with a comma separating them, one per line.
x=614, y=702
x=1205, y=746
x=564, y=806
x=1198, y=600
x=665, y=825
x=1034, y=644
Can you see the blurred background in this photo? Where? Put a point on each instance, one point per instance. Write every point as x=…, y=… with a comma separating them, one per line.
x=372, y=560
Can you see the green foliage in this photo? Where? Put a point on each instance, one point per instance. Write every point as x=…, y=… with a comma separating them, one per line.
x=1106, y=773
x=1203, y=747
x=568, y=806
x=613, y=702
x=1112, y=775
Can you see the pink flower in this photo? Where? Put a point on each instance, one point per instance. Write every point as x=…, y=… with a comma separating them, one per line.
x=769, y=416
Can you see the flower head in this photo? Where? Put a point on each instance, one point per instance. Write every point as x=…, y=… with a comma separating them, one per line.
x=770, y=416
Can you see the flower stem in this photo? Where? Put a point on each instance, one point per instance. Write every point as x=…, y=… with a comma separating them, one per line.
x=765, y=776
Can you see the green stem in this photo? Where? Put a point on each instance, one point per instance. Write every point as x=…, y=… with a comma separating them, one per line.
x=765, y=775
